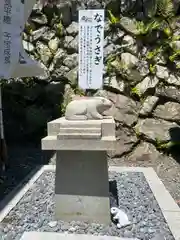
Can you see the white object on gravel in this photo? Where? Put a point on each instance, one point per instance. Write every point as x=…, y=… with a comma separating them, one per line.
x=120, y=216
x=52, y=224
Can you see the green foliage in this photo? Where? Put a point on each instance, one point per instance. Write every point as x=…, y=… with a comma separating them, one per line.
x=176, y=38
x=146, y=28
x=136, y=91
x=162, y=8
x=166, y=145
x=152, y=68
x=162, y=22
x=28, y=28
x=108, y=63
x=177, y=66
x=58, y=25
x=165, y=9
x=174, y=56
x=109, y=67
x=63, y=108
x=152, y=54
x=167, y=31
x=79, y=91
x=137, y=132
x=122, y=68
x=59, y=28
x=112, y=18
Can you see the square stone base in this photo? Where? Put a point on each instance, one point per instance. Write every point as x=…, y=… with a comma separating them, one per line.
x=81, y=188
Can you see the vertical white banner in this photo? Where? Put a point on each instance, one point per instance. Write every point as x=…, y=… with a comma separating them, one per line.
x=91, y=38
x=11, y=26
x=14, y=61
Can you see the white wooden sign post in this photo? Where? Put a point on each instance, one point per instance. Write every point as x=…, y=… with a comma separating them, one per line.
x=91, y=38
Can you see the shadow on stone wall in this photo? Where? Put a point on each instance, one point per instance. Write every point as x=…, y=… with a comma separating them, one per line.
x=174, y=150
x=27, y=107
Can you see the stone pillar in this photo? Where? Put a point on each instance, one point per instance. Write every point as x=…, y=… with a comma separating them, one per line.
x=81, y=185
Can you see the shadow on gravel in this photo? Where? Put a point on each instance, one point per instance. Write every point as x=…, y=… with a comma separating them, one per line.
x=22, y=161
x=174, y=149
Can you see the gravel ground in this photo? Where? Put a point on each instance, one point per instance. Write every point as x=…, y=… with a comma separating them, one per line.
x=166, y=167
x=35, y=211
x=22, y=160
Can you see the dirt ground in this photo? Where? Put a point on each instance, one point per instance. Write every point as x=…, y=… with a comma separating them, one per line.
x=24, y=159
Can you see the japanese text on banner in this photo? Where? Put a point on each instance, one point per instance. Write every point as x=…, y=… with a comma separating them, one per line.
x=11, y=26
x=91, y=40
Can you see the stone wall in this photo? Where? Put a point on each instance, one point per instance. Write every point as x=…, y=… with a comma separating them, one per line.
x=140, y=78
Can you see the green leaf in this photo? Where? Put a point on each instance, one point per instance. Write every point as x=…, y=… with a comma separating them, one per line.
x=145, y=28
x=112, y=18
x=152, y=68
x=165, y=8
x=136, y=91
x=151, y=54
x=168, y=31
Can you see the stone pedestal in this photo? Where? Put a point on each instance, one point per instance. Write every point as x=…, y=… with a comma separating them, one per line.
x=81, y=186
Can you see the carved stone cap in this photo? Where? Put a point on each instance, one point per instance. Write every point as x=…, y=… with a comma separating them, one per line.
x=80, y=135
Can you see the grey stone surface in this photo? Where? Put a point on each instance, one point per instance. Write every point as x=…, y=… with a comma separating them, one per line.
x=125, y=110
x=125, y=140
x=146, y=84
x=162, y=72
x=115, y=83
x=129, y=60
x=53, y=44
x=173, y=79
x=81, y=142
x=72, y=76
x=73, y=45
x=107, y=126
x=168, y=111
x=129, y=25
x=148, y=105
x=155, y=129
x=109, y=49
x=62, y=236
x=73, y=29
x=37, y=34
x=168, y=92
x=129, y=44
x=29, y=47
x=45, y=53
x=78, y=187
x=71, y=61
x=144, y=151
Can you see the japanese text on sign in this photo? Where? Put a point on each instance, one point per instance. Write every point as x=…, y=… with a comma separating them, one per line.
x=91, y=38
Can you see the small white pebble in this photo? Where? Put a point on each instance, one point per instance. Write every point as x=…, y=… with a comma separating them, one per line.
x=118, y=225
x=52, y=224
x=72, y=229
